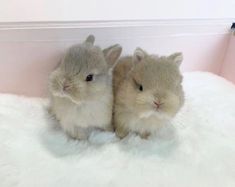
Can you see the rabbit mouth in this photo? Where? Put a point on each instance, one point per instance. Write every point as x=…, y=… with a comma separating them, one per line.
x=152, y=113
x=146, y=114
x=59, y=94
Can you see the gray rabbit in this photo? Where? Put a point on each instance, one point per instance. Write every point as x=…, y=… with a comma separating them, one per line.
x=81, y=88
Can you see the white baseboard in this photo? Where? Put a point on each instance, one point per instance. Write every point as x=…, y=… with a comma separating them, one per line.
x=63, y=31
x=115, y=23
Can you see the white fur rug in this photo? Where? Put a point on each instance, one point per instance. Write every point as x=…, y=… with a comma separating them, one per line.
x=197, y=150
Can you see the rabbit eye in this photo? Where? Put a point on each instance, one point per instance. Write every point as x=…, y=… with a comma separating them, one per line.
x=89, y=77
x=139, y=86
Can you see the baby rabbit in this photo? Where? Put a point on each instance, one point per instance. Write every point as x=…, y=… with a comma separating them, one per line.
x=147, y=92
x=81, y=89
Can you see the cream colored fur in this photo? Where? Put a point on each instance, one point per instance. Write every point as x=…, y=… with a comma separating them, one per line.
x=78, y=120
x=134, y=110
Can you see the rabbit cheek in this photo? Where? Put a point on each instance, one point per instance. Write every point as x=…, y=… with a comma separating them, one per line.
x=143, y=100
x=171, y=106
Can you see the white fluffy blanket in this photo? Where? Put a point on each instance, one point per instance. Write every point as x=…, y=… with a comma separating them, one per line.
x=197, y=150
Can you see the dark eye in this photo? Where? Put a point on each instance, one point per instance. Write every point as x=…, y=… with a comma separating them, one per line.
x=89, y=77
x=141, y=88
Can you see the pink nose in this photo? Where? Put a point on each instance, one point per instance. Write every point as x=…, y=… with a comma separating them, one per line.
x=65, y=87
x=157, y=104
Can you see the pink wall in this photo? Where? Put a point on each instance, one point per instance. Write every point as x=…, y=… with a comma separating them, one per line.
x=228, y=69
x=30, y=53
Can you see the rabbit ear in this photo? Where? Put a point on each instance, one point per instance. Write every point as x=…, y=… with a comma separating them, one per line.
x=139, y=55
x=112, y=54
x=176, y=58
x=90, y=39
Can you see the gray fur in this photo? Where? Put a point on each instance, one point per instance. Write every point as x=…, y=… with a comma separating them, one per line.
x=81, y=104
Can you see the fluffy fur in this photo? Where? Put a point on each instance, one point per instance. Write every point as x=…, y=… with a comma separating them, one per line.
x=147, y=91
x=201, y=151
x=80, y=105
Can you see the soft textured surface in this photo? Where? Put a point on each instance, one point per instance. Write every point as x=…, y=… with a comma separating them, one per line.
x=198, y=149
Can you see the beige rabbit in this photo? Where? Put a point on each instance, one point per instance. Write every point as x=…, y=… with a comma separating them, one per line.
x=147, y=92
x=81, y=89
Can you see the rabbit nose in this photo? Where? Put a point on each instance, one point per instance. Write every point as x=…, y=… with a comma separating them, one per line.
x=157, y=104
x=66, y=86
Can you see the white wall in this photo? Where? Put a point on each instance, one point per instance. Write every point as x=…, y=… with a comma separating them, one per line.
x=77, y=10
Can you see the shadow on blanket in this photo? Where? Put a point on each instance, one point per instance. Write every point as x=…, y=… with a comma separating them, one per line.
x=60, y=145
